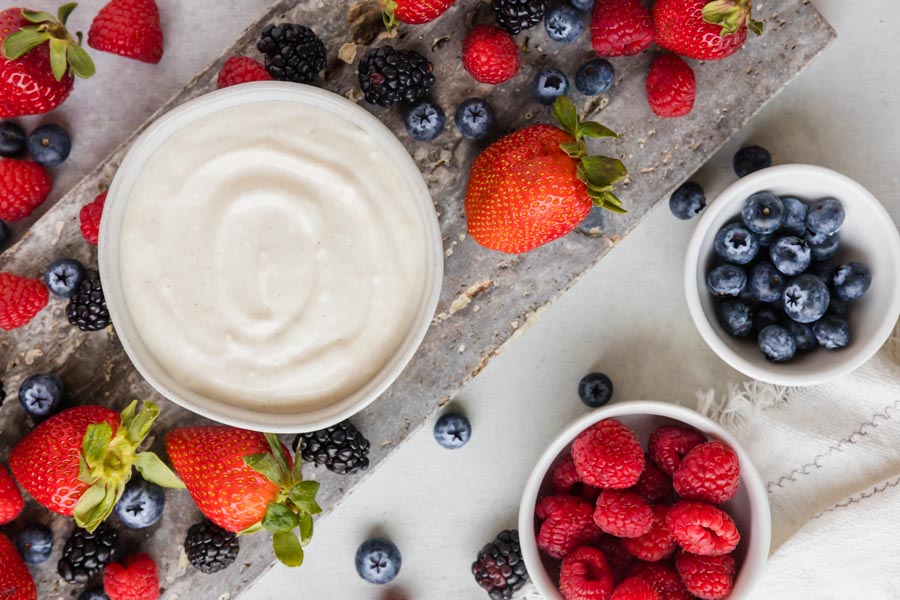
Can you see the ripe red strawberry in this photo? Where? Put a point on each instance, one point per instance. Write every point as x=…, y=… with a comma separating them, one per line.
x=413, y=12
x=623, y=514
x=671, y=86
x=709, y=472
x=569, y=524
x=78, y=461
x=607, y=455
x=585, y=575
x=11, y=503
x=634, y=588
x=20, y=300
x=664, y=580
x=129, y=28
x=669, y=444
x=490, y=55
x=31, y=81
x=136, y=578
x=15, y=579
x=703, y=29
x=657, y=543
x=24, y=185
x=702, y=528
x=537, y=184
x=620, y=27
x=242, y=69
x=707, y=577
x=243, y=481
x=89, y=216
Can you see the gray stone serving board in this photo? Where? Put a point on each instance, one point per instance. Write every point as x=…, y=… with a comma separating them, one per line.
x=487, y=297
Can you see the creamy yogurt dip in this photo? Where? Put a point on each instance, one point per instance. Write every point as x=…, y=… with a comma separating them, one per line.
x=271, y=257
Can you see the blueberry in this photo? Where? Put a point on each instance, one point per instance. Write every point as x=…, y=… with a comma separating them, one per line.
x=563, y=23
x=765, y=239
x=94, y=593
x=64, y=276
x=823, y=247
x=790, y=255
x=823, y=269
x=736, y=318
x=549, y=84
x=475, y=118
x=825, y=216
x=41, y=395
x=806, y=298
x=12, y=140
x=766, y=316
x=49, y=145
x=141, y=505
x=583, y=5
x=795, y=212
x=378, y=561
x=832, y=332
x=424, y=120
x=4, y=235
x=838, y=307
x=452, y=430
x=852, y=281
x=747, y=297
x=803, y=335
x=736, y=244
x=595, y=389
x=763, y=212
x=766, y=283
x=726, y=280
x=595, y=77
x=35, y=543
x=777, y=344
x=751, y=159
x=687, y=201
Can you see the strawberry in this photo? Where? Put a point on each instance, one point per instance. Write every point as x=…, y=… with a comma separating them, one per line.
x=671, y=86
x=129, y=28
x=703, y=29
x=89, y=218
x=242, y=69
x=38, y=59
x=621, y=27
x=11, y=503
x=15, y=579
x=20, y=300
x=78, y=461
x=413, y=12
x=136, y=578
x=243, y=481
x=24, y=185
x=536, y=184
x=490, y=55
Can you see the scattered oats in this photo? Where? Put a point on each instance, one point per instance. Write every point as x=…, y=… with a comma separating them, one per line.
x=347, y=53
x=58, y=227
x=355, y=94
x=476, y=308
x=439, y=43
x=461, y=349
x=514, y=324
x=31, y=355
x=387, y=443
x=448, y=252
x=462, y=236
x=225, y=596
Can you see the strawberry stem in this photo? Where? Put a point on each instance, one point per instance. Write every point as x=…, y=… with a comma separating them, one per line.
x=731, y=15
x=387, y=14
x=66, y=54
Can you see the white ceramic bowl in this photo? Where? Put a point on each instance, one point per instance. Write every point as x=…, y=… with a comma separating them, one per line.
x=110, y=231
x=868, y=235
x=749, y=508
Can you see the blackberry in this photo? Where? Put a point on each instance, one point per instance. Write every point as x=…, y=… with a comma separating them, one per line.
x=87, y=306
x=341, y=448
x=86, y=554
x=292, y=52
x=499, y=568
x=516, y=15
x=388, y=76
x=210, y=548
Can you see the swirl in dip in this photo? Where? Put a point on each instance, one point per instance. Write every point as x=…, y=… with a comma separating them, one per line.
x=271, y=257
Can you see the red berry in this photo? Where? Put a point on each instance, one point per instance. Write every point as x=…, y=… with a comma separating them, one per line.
x=129, y=28
x=623, y=514
x=569, y=524
x=702, y=528
x=671, y=86
x=585, y=575
x=664, y=580
x=24, y=185
x=680, y=26
x=551, y=504
x=565, y=476
x=621, y=27
x=15, y=578
x=634, y=588
x=242, y=69
x=607, y=455
x=90, y=219
x=11, y=503
x=709, y=472
x=619, y=559
x=707, y=577
x=415, y=12
x=137, y=578
x=654, y=485
x=20, y=300
x=669, y=444
x=490, y=55
x=657, y=543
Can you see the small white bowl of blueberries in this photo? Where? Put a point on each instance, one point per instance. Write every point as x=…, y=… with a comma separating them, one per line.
x=793, y=275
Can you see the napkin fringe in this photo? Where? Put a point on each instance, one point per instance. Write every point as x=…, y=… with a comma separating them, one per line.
x=741, y=403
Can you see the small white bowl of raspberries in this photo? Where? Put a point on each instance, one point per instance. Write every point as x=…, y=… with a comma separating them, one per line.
x=644, y=500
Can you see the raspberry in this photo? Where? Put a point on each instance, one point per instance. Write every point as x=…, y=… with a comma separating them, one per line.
x=24, y=185
x=135, y=579
x=657, y=543
x=623, y=514
x=564, y=476
x=607, y=455
x=702, y=528
x=709, y=472
x=669, y=444
x=90, y=219
x=707, y=577
x=620, y=561
x=620, y=27
x=654, y=485
x=242, y=69
x=664, y=580
x=551, y=504
x=490, y=55
x=585, y=575
x=634, y=588
x=569, y=524
x=20, y=300
x=671, y=86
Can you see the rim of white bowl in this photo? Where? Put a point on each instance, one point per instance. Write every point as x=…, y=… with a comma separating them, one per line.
x=742, y=189
x=108, y=256
x=757, y=555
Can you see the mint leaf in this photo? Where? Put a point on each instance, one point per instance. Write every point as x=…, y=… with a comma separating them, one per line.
x=279, y=518
x=287, y=548
x=154, y=470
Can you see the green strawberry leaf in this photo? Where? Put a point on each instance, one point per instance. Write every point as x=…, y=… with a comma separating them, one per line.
x=297, y=472
x=252, y=529
x=154, y=470
x=573, y=149
x=603, y=170
x=755, y=26
x=595, y=130
x=303, y=495
x=137, y=426
x=267, y=465
x=387, y=14
x=278, y=453
x=306, y=529
x=80, y=61
x=608, y=201
x=20, y=43
x=287, y=548
x=63, y=12
x=95, y=443
x=37, y=16
x=58, y=61
x=564, y=112
x=279, y=518
x=96, y=504
x=729, y=14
